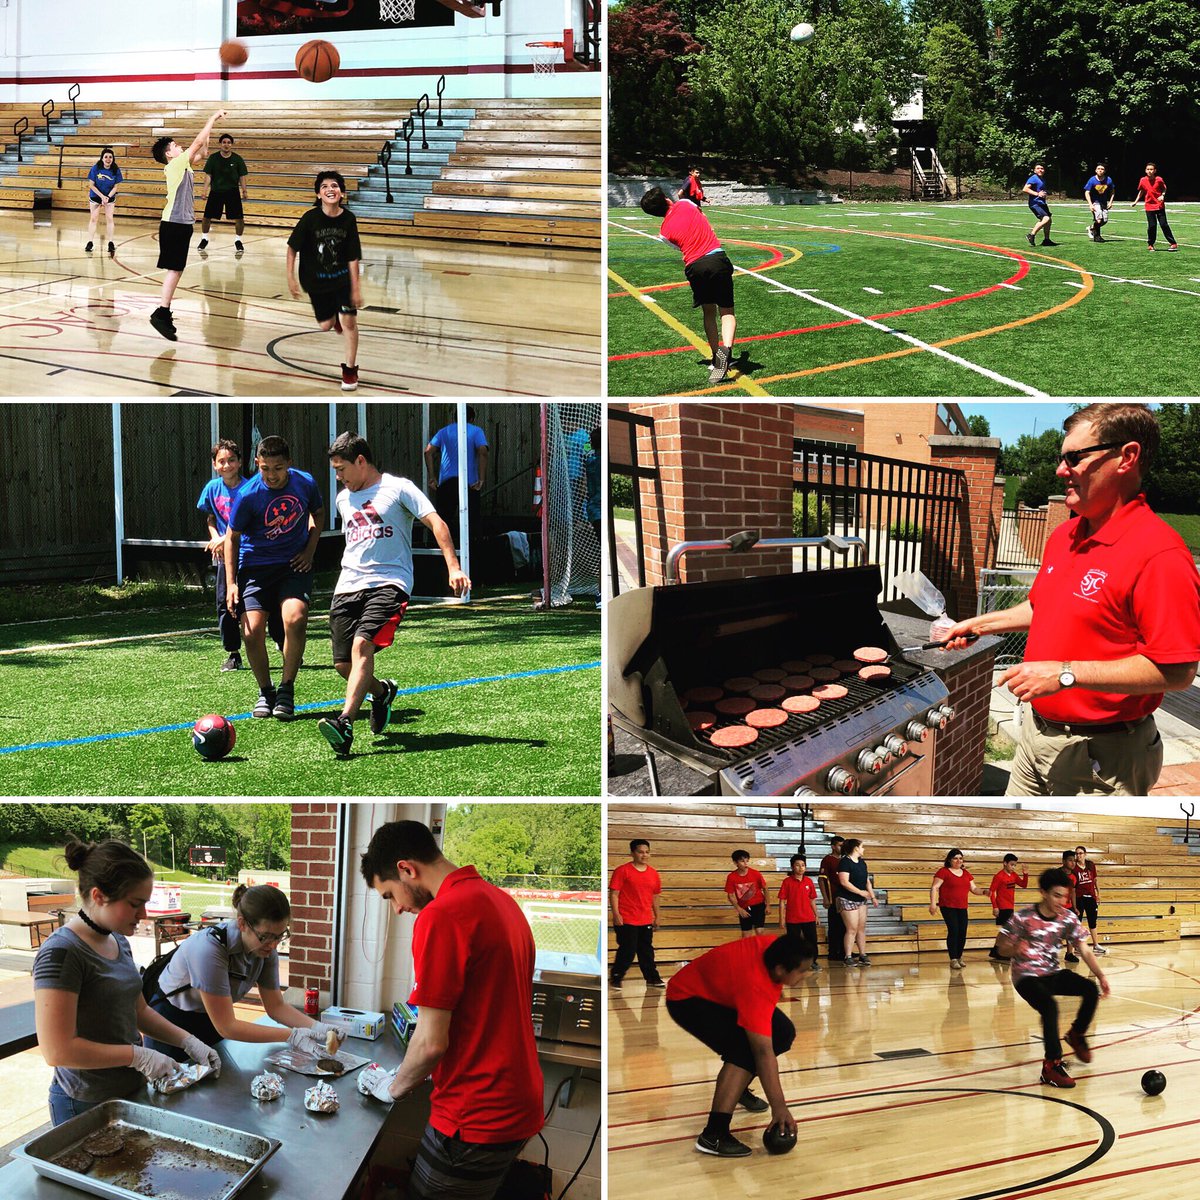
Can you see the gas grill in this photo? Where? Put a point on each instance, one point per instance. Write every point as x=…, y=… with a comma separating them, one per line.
x=879, y=738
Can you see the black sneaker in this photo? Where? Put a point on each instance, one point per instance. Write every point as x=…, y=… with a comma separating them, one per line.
x=1098, y=238
x=723, y=1147
x=111, y=248
x=1048, y=242
x=1070, y=958
x=381, y=706
x=161, y=320
x=238, y=247
x=202, y=244
x=657, y=983
x=265, y=704
x=338, y=732
x=862, y=961
x=995, y=955
x=752, y=1103
x=1029, y=238
x=88, y=248
x=233, y=662
x=285, y=703
x=614, y=982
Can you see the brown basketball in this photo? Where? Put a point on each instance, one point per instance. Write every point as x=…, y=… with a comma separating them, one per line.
x=317, y=61
x=233, y=54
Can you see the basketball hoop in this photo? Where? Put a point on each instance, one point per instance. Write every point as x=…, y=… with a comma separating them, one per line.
x=397, y=11
x=545, y=55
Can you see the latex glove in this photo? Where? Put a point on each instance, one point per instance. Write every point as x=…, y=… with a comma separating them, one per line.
x=375, y=1081
x=319, y=1032
x=201, y=1053
x=152, y=1064
x=303, y=1039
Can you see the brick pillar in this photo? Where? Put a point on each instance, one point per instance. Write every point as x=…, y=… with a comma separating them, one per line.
x=722, y=468
x=313, y=837
x=960, y=748
x=1056, y=513
x=977, y=531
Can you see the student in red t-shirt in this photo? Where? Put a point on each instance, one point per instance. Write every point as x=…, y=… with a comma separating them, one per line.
x=633, y=897
x=1068, y=866
x=727, y=999
x=1003, y=895
x=953, y=886
x=1087, y=895
x=835, y=934
x=1154, y=188
x=473, y=957
x=707, y=268
x=797, y=916
x=746, y=890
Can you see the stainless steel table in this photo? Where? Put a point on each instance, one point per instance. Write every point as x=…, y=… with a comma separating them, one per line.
x=321, y=1153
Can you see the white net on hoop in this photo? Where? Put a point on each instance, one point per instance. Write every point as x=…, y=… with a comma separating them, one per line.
x=397, y=10
x=544, y=55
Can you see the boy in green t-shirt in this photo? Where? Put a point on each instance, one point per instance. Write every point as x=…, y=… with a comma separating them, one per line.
x=227, y=174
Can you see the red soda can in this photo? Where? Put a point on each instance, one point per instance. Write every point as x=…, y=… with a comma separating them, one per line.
x=312, y=1005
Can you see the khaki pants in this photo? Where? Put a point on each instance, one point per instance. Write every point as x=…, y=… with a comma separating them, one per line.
x=1052, y=762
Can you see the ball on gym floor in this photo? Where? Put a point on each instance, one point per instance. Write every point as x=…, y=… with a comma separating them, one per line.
x=317, y=61
x=233, y=53
x=779, y=1141
x=1154, y=1083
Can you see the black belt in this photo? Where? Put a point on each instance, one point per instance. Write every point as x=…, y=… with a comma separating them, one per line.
x=1085, y=730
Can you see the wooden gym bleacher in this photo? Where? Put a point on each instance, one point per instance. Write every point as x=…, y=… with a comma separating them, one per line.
x=1149, y=885
x=502, y=170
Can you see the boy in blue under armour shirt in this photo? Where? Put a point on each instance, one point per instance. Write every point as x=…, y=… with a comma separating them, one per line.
x=274, y=528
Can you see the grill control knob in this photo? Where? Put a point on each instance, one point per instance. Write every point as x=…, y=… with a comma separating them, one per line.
x=884, y=753
x=804, y=791
x=917, y=731
x=896, y=744
x=841, y=781
x=936, y=719
x=947, y=710
x=870, y=761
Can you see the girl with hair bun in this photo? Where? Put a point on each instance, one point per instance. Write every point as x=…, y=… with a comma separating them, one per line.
x=217, y=966
x=89, y=1009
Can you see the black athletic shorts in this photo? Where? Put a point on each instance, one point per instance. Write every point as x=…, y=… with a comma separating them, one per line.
x=373, y=614
x=265, y=588
x=1003, y=916
x=756, y=920
x=1088, y=910
x=717, y=1027
x=174, y=238
x=326, y=305
x=711, y=278
x=230, y=203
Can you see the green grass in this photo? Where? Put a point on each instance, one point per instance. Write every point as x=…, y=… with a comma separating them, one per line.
x=514, y=737
x=1187, y=525
x=1077, y=304
x=623, y=514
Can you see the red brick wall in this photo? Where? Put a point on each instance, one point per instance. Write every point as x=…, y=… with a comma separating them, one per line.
x=959, y=750
x=819, y=423
x=722, y=468
x=313, y=837
x=1056, y=513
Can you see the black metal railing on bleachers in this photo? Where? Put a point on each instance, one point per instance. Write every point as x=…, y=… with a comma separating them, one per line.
x=48, y=112
x=19, y=126
x=73, y=95
x=407, y=128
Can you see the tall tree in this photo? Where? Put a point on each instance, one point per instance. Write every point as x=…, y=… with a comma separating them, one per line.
x=979, y=425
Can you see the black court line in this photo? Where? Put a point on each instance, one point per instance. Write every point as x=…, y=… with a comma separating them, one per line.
x=93, y=371
x=397, y=387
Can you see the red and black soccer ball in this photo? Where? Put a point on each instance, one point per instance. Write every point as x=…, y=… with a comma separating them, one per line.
x=213, y=736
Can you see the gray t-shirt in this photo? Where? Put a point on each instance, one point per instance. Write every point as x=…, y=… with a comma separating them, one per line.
x=204, y=964
x=107, y=992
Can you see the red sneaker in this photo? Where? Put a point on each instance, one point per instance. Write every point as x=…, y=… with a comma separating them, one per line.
x=1055, y=1074
x=1079, y=1044
x=349, y=378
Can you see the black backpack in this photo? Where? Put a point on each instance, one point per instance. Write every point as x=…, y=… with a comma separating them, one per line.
x=150, y=974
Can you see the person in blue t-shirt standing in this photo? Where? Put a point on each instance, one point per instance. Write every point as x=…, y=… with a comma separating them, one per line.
x=441, y=465
x=274, y=528
x=1035, y=189
x=1099, y=192
x=102, y=182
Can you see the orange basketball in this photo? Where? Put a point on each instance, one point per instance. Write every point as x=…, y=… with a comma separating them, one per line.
x=317, y=61
x=233, y=54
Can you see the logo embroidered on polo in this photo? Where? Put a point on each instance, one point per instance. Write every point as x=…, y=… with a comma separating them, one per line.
x=1090, y=584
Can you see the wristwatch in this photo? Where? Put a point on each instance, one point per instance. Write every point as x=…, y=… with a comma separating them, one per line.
x=1066, y=677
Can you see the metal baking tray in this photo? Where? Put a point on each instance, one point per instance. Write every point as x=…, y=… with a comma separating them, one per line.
x=166, y=1155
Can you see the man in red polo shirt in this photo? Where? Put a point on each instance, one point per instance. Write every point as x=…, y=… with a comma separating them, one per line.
x=473, y=958
x=633, y=896
x=726, y=998
x=706, y=266
x=1113, y=619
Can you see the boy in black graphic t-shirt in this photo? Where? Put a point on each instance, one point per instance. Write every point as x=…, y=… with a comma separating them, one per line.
x=326, y=239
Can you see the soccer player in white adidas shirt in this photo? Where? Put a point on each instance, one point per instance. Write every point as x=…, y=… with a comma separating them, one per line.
x=377, y=512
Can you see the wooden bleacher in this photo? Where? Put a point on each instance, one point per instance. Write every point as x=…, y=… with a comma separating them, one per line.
x=1149, y=885
x=513, y=171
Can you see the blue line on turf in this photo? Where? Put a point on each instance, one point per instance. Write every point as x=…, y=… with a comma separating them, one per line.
x=427, y=687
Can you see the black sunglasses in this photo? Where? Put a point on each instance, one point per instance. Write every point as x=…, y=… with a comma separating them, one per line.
x=1074, y=457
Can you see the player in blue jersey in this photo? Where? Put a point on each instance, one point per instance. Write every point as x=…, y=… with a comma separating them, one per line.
x=274, y=528
x=1099, y=192
x=102, y=182
x=1035, y=189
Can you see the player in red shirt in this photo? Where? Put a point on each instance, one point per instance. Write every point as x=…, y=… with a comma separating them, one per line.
x=633, y=897
x=746, y=890
x=727, y=999
x=692, y=189
x=828, y=881
x=1003, y=895
x=473, y=958
x=797, y=916
x=952, y=889
x=1113, y=619
x=707, y=268
x=1154, y=188
x=1087, y=895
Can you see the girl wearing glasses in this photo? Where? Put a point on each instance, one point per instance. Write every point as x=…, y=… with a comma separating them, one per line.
x=216, y=967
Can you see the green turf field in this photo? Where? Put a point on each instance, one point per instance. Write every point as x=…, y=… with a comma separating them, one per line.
x=913, y=300
x=503, y=735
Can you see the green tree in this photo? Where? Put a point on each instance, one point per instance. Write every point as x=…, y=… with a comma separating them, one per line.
x=970, y=16
x=958, y=132
x=979, y=425
x=1005, y=154
x=1039, y=485
x=524, y=839
x=951, y=60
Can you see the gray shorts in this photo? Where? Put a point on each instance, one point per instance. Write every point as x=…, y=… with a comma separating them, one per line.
x=447, y=1167
x=1050, y=761
x=845, y=905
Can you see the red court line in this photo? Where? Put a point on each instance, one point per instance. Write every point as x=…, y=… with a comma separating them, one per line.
x=1021, y=272
x=775, y=259
x=1086, y=1183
